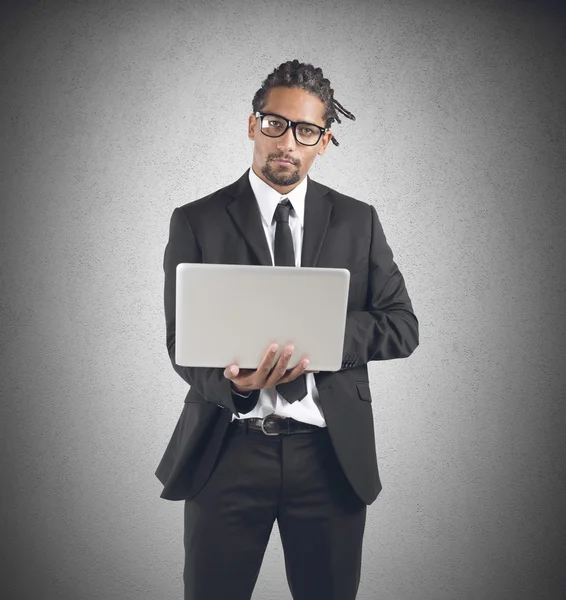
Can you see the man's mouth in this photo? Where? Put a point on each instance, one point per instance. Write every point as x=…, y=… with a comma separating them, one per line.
x=283, y=161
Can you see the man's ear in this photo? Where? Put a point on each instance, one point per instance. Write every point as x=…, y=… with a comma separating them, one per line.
x=251, y=126
x=325, y=139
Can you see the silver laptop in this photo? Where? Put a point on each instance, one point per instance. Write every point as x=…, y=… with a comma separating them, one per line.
x=230, y=314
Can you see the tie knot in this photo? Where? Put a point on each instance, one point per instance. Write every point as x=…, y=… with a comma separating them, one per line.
x=282, y=210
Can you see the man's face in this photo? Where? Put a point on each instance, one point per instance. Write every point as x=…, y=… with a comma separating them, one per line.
x=296, y=105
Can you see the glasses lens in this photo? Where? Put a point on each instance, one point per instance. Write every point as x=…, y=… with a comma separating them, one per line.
x=307, y=134
x=273, y=126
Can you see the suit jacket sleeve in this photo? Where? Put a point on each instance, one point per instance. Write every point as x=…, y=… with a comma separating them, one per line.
x=388, y=328
x=210, y=383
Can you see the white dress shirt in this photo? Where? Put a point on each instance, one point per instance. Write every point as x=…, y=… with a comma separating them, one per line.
x=307, y=410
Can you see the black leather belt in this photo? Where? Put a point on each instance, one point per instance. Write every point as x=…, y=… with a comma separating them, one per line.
x=277, y=425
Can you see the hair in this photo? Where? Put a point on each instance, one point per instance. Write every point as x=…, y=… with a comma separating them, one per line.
x=303, y=76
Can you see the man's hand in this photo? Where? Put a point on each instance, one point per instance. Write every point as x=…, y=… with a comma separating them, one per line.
x=247, y=380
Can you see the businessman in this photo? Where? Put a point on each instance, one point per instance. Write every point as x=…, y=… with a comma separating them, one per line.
x=253, y=446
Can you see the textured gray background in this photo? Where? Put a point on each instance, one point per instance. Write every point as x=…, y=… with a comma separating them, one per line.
x=115, y=112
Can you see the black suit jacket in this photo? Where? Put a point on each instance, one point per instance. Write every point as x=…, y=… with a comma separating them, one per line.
x=339, y=231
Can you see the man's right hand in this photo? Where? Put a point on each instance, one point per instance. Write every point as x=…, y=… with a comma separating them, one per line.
x=248, y=380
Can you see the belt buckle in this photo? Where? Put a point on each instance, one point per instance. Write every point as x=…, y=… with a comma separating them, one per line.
x=263, y=428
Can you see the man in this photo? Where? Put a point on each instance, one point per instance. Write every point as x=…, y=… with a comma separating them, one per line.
x=252, y=446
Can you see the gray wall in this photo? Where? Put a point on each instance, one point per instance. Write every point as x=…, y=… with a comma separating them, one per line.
x=107, y=125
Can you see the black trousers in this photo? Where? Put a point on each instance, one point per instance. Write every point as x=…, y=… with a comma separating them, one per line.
x=295, y=479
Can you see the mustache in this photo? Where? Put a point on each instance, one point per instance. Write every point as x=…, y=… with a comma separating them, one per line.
x=274, y=157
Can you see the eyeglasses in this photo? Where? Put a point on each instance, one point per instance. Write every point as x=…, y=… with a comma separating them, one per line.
x=273, y=125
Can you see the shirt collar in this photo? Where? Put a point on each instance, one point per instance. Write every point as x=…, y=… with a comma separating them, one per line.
x=268, y=198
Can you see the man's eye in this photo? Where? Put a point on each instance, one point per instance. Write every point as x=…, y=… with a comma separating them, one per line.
x=275, y=124
x=307, y=131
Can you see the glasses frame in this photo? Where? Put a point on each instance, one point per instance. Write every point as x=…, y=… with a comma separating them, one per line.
x=292, y=124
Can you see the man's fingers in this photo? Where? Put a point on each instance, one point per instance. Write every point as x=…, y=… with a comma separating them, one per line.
x=231, y=372
x=284, y=376
x=268, y=376
x=267, y=361
x=280, y=369
x=264, y=368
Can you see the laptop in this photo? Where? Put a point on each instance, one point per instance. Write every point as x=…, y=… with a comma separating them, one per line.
x=231, y=314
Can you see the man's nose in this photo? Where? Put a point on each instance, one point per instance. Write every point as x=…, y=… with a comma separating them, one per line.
x=287, y=141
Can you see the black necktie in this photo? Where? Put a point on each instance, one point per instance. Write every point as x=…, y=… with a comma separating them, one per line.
x=285, y=257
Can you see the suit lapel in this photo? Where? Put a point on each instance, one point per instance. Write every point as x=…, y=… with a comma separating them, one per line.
x=245, y=213
x=247, y=217
x=317, y=217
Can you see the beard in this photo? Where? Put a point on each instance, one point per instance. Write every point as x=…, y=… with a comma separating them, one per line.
x=282, y=178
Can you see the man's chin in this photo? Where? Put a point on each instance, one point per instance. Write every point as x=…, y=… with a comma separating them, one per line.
x=281, y=179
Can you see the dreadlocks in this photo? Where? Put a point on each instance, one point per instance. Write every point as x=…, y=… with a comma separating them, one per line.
x=294, y=74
